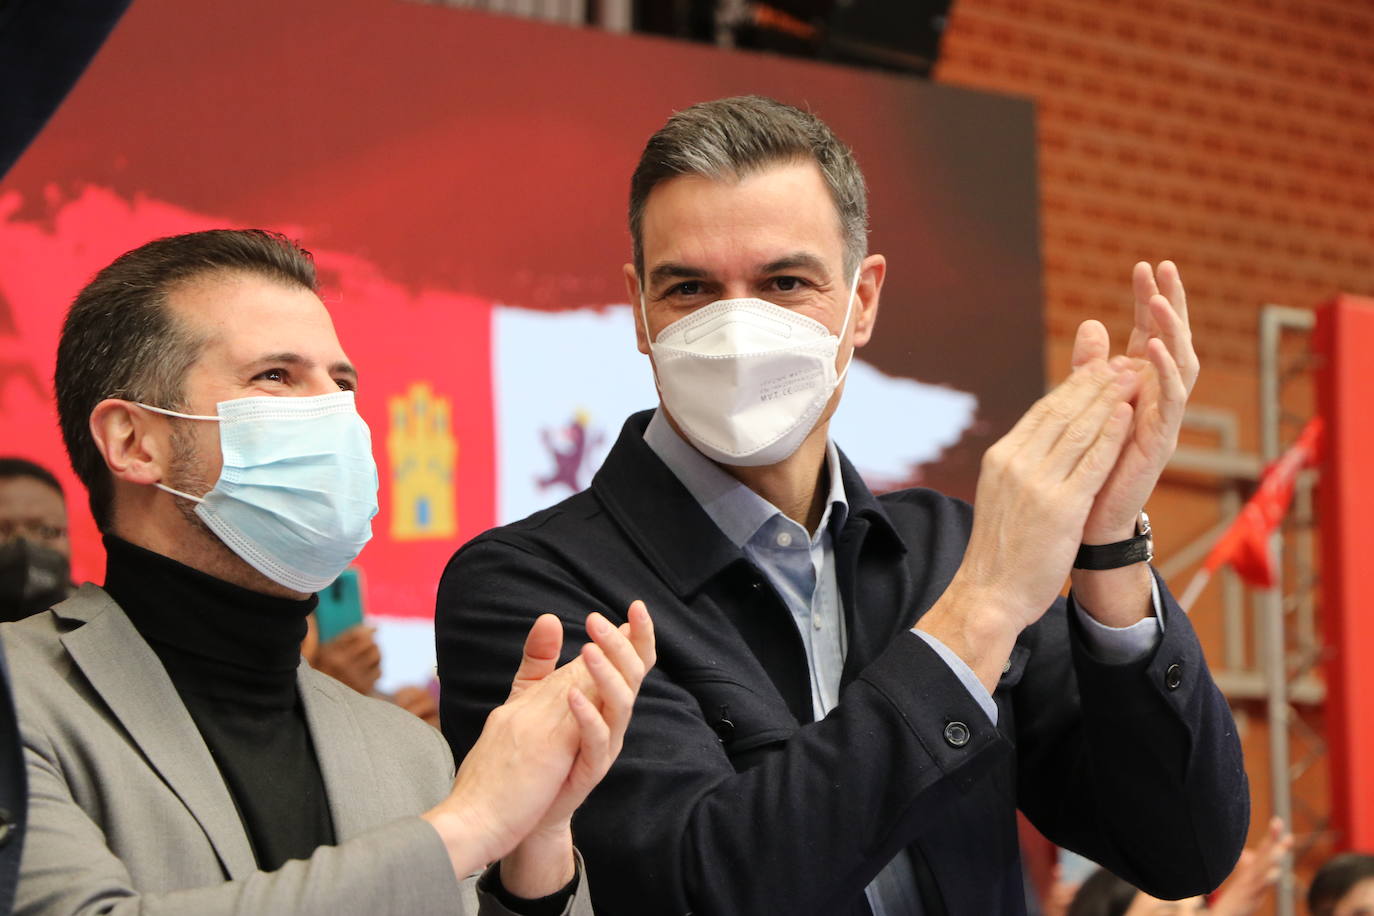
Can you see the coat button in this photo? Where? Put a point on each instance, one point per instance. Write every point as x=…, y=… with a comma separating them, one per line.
x=5, y=828
x=956, y=734
x=1173, y=677
x=725, y=729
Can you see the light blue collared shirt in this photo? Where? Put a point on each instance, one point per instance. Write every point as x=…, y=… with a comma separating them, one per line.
x=801, y=568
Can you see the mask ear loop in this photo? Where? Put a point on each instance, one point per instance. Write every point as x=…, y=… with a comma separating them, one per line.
x=644, y=316
x=849, y=310
x=172, y=413
x=166, y=489
x=184, y=416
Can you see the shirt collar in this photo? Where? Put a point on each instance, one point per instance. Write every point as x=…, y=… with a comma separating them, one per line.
x=738, y=511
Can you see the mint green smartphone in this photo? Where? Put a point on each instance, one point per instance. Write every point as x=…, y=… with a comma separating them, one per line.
x=341, y=605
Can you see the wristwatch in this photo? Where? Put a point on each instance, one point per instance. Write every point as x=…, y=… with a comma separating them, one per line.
x=1139, y=549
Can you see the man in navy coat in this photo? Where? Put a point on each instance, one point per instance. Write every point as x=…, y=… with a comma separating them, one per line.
x=855, y=693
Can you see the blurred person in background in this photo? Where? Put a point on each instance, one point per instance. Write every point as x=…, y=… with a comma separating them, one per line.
x=35, y=552
x=1244, y=893
x=354, y=659
x=1344, y=886
x=1252, y=883
x=180, y=756
x=1104, y=894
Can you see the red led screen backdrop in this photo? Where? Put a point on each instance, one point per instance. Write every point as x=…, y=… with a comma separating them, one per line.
x=462, y=180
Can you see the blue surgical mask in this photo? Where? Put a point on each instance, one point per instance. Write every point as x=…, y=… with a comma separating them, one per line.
x=298, y=489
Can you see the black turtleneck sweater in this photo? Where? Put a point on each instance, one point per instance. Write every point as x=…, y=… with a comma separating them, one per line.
x=232, y=655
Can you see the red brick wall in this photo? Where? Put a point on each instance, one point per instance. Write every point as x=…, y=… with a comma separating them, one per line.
x=1234, y=136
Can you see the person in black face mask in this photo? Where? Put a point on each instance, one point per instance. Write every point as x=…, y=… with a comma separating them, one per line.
x=35, y=553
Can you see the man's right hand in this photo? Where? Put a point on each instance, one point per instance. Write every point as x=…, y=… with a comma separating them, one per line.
x=548, y=745
x=1035, y=489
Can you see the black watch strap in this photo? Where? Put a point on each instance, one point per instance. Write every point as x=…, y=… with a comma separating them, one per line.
x=1139, y=549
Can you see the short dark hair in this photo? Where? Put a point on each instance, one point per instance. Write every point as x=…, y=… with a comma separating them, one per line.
x=1335, y=879
x=731, y=138
x=120, y=339
x=12, y=467
x=1103, y=894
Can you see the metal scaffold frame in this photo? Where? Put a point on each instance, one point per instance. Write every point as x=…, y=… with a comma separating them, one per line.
x=1291, y=645
x=1271, y=644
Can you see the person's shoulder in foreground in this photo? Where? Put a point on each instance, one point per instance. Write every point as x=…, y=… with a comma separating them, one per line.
x=855, y=694
x=180, y=756
x=13, y=792
x=117, y=778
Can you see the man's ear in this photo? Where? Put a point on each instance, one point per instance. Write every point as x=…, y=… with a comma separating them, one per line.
x=129, y=441
x=872, y=272
x=632, y=291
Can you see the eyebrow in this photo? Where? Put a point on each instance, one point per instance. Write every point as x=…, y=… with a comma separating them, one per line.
x=801, y=259
x=672, y=270
x=295, y=359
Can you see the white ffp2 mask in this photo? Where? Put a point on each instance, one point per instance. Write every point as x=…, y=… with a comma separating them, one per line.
x=746, y=380
x=298, y=488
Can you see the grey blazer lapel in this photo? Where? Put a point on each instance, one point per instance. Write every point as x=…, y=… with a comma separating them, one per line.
x=123, y=669
x=350, y=783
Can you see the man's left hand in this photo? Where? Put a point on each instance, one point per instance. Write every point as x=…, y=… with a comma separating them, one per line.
x=603, y=682
x=1162, y=345
x=601, y=686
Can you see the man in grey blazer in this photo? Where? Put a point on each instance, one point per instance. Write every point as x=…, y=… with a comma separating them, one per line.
x=181, y=758
x=13, y=793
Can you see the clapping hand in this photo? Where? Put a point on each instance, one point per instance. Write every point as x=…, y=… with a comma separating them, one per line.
x=1036, y=488
x=601, y=685
x=1161, y=351
x=1076, y=469
x=542, y=752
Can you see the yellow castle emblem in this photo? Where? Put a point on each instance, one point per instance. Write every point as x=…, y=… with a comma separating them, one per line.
x=424, y=458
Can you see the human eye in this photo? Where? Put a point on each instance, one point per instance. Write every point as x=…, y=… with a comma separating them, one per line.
x=277, y=375
x=687, y=289
x=788, y=284
x=346, y=384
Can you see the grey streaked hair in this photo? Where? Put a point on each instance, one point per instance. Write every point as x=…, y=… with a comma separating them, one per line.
x=731, y=138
